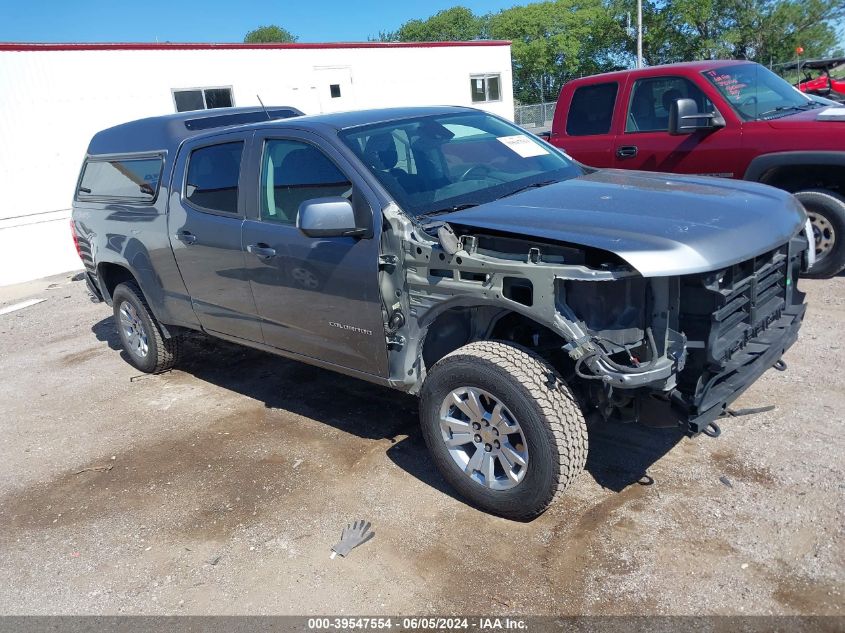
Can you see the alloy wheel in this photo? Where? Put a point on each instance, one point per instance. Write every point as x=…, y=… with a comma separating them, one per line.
x=483, y=438
x=134, y=331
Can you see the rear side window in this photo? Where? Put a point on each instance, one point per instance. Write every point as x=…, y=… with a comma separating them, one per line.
x=134, y=180
x=591, y=110
x=293, y=172
x=213, y=173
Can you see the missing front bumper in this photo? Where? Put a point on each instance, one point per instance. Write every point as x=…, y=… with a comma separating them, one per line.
x=694, y=414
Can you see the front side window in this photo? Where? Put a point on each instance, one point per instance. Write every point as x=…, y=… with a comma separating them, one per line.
x=755, y=92
x=293, y=172
x=438, y=162
x=212, y=180
x=591, y=111
x=648, y=109
x=485, y=88
x=125, y=179
x=202, y=99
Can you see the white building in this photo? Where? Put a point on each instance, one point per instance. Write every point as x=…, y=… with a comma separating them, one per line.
x=54, y=97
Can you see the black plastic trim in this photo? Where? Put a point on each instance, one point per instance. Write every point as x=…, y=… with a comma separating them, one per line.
x=779, y=338
x=762, y=164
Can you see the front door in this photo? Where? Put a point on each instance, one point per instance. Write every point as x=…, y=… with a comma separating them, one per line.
x=206, y=215
x=646, y=144
x=318, y=297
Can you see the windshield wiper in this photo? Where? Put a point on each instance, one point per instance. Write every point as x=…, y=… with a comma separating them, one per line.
x=810, y=105
x=533, y=185
x=457, y=207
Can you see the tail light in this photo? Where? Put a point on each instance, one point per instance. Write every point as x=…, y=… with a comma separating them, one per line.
x=75, y=239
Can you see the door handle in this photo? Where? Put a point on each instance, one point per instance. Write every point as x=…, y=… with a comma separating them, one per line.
x=261, y=250
x=186, y=237
x=627, y=151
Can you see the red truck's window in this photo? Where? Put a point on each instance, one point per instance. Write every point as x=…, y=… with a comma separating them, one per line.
x=591, y=110
x=755, y=92
x=648, y=110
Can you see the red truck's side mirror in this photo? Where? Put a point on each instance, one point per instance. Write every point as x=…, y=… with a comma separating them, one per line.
x=684, y=118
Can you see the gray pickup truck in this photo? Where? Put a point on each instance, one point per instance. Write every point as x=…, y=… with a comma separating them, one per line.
x=445, y=252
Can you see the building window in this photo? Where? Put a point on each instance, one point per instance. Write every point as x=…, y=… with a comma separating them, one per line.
x=131, y=179
x=213, y=174
x=591, y=110
x=202, y=99
x=485, y=88
x=334, y=90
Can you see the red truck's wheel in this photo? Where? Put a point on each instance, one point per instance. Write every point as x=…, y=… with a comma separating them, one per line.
x=826, y=211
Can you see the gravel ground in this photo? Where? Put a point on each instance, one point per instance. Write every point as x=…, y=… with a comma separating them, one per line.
x=221, y=486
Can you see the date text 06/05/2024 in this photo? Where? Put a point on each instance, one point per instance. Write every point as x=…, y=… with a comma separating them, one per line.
x=416, y=623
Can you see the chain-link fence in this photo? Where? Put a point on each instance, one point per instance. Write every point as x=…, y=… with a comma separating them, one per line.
x=535, y=115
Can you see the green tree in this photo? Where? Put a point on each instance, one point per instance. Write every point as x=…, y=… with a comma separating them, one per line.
x=552, y=40
x=384, y=36
x=268, y=34
x=555, y=41
x=760, y=30
x=449, y=25
x=793, y=23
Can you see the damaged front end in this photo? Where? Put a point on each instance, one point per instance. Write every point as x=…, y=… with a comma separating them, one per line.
x=707, y=338
x=664, y=351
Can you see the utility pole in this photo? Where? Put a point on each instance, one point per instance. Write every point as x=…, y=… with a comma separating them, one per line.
x=639, y=33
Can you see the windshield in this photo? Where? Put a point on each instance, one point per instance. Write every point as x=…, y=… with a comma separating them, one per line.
x=438, y=163
x=755, y=92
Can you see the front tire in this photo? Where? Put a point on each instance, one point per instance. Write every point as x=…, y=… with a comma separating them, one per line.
x=503, y=428
x=146, y=347
x=826, y=211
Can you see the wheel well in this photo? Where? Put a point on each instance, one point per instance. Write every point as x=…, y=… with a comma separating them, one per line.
x=794, y=178
x=456, y=327
x=111, y=275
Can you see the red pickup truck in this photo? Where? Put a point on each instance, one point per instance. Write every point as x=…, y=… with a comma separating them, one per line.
x=732, y=119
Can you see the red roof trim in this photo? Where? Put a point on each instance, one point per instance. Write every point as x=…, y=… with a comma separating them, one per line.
x=148, y=46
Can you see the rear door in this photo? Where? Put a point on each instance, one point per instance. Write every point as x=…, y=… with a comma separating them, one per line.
x=205, y=219
x=584, y=127
x=645, y=143
x=318, y=297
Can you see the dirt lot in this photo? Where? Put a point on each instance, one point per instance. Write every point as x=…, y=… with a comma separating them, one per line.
x=220, y=488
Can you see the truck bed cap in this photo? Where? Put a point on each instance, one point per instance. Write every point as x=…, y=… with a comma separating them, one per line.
x=168, y=131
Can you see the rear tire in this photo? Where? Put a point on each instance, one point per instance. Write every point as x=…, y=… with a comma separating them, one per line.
x=500, y=391
x=826, y=211
x=140, y=335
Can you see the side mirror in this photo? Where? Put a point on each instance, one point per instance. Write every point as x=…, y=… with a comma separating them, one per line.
x=327, y=217
x=546, y=136
x=684, y=118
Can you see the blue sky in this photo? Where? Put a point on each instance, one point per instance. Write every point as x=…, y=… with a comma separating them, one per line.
x=211, y=20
